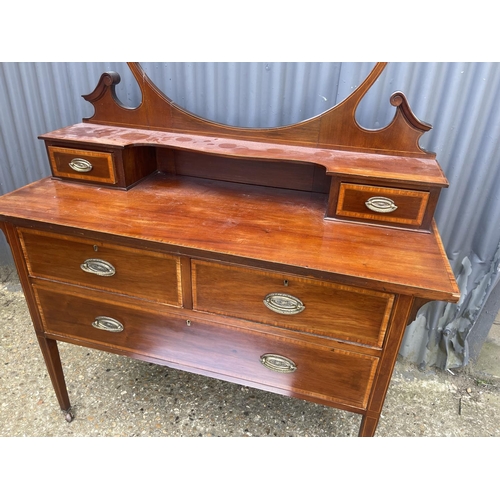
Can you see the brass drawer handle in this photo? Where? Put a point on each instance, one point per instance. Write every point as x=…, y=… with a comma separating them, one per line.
x=80, y=165
x=278, y=363
x=381, y=204
x=108, y=324
x=282, y=303
x=99, y=267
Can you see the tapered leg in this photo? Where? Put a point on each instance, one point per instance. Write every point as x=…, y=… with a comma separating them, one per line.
x=368, y=426
x=401, y=312
x=48, y=347
x=50, y=353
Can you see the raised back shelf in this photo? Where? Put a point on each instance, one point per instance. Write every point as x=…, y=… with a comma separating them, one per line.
x=331, y=153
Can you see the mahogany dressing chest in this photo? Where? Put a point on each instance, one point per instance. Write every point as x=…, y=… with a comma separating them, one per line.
x=288, y=259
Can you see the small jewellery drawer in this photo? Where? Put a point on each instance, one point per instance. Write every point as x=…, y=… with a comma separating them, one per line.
x=292, y=302
x=149, y=275
x=94, y=166
x=374, y=203
x=269, y=362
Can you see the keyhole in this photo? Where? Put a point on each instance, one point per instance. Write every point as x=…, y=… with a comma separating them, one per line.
x=96, y=248
x=285, y=282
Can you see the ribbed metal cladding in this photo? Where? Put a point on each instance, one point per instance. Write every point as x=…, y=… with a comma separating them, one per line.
x=460, y=100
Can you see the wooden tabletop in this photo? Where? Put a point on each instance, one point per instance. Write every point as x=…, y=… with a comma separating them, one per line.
x=248, y=224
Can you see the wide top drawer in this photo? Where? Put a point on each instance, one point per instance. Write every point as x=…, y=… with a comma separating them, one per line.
x=293, y=302
x=97, y=264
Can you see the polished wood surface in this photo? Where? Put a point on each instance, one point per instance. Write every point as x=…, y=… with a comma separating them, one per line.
x=323, y=373
x=336, y=128
x=402, y=310
x=347, y=197
x=279, y=227
x=103, y=168
x=271, y=173
x=110, y=166
x=411, y=205
x=190, y=243
x=150, y=275
x=331, y=310
x=390, y=166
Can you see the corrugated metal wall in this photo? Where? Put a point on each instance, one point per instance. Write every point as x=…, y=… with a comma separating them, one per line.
x=460, y=100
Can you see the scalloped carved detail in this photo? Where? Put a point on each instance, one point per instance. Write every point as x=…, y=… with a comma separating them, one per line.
x=106, y=83
x=399, y=100
x=336, y=128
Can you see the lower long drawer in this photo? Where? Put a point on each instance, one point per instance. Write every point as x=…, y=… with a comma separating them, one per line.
x=290, y=366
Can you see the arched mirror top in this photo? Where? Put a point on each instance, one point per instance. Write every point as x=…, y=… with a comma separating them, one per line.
x=253, y=94
x=335, y=128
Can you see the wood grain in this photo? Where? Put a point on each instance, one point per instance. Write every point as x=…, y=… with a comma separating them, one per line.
x=298, y=176
x=325, y=374
x=331, y=310
x=412, y=170
x=151, y=275
x=335, y=128
x=411, y=205
x=103, y=169
x=201, y=221
x=260, y=225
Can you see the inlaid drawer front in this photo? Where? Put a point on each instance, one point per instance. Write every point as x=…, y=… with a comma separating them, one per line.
x=267, y=361
x=292, y=302
x=95, y=166
x=150, y=275
x=99, y=316
x=402, y=206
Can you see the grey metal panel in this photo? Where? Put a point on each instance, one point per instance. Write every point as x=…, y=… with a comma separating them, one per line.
x=460, y=100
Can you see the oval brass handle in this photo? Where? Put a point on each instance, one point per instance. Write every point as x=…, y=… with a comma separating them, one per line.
x=80, y=165
x=381, y=205
x=108, y=324
x=99, y=267
x=282, y=303
x=278, y=363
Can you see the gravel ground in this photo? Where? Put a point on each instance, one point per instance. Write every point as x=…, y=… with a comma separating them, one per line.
x=117, y=396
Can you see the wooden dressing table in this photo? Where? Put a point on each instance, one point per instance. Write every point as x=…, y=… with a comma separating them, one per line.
x=287, y=259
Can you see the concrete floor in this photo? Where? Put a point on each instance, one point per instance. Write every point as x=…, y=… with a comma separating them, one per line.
x=117, y=396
